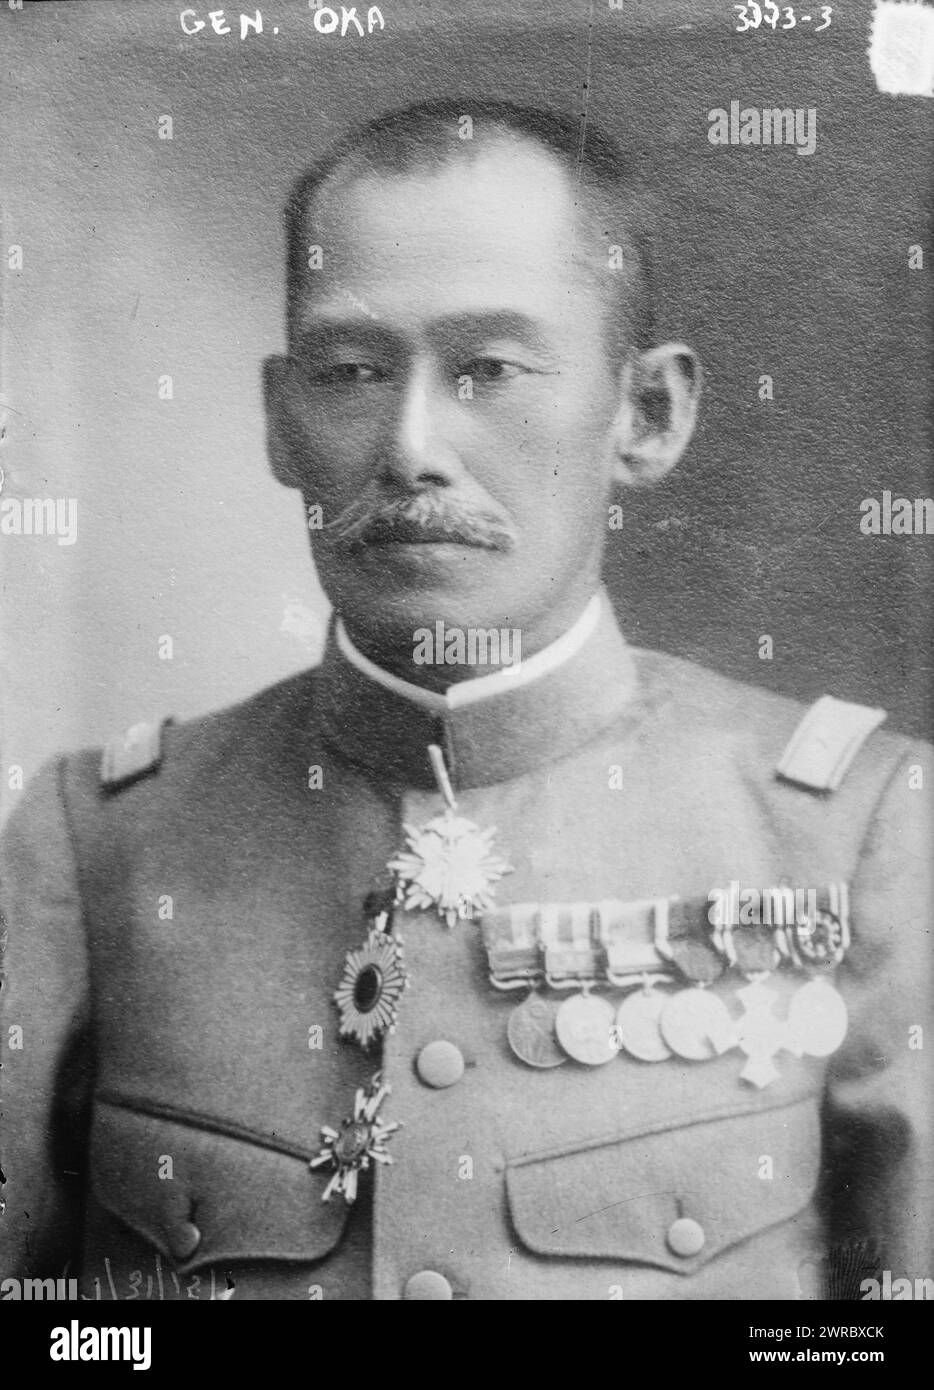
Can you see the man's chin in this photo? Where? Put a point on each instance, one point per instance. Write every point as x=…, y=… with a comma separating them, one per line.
x=411, y=581
x=385, y=606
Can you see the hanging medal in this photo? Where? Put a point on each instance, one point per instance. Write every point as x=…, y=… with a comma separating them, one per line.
x=511, y=938
x=449, y=863
x=583, y=1023
x=694, y=1023
x=697, y=1025
x=760, y=1034
x=638, y=1021
x=817, y=1019
x=374, y=979
x=531, y=1032
x=817, y=942
x=817, y=1015
x=584, y=1026
x=360, y=1141
x=626, y=932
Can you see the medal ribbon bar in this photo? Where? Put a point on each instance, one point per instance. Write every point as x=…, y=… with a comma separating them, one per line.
x=567, y=944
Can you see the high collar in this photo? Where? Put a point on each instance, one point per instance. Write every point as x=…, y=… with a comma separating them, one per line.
x=503, y=735
x=468, y=692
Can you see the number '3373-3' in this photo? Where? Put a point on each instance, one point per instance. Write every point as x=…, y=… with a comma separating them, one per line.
x=752, y=15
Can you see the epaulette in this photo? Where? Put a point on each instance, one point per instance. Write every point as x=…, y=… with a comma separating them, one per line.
x=132, y=755
x=825, y=742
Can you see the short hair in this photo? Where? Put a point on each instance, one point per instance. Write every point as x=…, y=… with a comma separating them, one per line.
x=426, y=135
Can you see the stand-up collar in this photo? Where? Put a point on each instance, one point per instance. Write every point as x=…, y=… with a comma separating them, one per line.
x=513, y=728
x=468, y=692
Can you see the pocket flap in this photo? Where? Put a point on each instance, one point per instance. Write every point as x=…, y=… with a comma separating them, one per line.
x=201, y=1197
x=674, y=1198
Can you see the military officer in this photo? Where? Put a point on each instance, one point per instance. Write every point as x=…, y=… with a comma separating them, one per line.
x=589, y=975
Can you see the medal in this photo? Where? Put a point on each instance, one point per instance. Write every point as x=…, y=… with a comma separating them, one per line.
x=759, y=1033
x=638, y=1027
x=693, y=1023
x=584, y=1026
x=360, y=1141
x=817, y=1019
x=697, y=1025
x=449, y=863
x=531, y=1032
x=819, y=939
x=750, y=947
x=818, y=942
x=368, y=995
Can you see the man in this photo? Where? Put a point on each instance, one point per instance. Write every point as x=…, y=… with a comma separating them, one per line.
x=590, y=976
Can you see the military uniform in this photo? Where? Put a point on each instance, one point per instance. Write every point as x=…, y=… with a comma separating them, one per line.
x=178, y=927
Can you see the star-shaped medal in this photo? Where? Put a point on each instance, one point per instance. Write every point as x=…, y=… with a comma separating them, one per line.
x=360, y=1141
x=448, y=864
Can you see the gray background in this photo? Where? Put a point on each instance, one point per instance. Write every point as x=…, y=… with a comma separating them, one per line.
x=145, y=257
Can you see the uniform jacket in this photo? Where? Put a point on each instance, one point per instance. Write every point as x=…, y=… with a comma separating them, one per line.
x=175, y=941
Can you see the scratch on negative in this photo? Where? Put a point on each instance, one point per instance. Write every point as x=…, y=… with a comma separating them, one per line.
x=639, y=1197
x=586, y=94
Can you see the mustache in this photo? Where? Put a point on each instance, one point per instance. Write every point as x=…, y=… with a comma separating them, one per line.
x=421, y=518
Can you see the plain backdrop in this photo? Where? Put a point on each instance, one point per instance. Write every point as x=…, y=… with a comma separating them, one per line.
x=145, y=257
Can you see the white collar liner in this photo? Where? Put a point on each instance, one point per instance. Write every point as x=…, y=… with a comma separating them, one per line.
x=470, y=692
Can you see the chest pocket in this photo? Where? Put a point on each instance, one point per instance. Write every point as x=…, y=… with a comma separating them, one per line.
x=201, y=1197
x=672, y=1198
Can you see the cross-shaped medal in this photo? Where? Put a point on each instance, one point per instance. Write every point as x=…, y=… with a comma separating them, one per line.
x=759, y=1033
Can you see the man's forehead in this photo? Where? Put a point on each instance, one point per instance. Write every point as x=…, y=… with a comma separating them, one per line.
x=498, y=200
x=501, y=222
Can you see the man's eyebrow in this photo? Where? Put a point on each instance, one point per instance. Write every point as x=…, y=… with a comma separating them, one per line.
x=321, y=328
x=326, y=327
x=493, y=323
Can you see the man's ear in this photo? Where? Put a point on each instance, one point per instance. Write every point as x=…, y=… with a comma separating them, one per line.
x=279, y=427
x=660, y=393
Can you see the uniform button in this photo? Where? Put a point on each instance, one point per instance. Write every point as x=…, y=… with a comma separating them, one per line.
x=428, y=1283
x=184, y=1240
x=440, y=1064
x=686, y=1236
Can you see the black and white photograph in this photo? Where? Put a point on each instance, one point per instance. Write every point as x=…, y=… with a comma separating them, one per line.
x=466, y=666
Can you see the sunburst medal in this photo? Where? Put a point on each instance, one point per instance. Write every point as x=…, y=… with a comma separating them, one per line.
x=448, y=864
x=371, y=987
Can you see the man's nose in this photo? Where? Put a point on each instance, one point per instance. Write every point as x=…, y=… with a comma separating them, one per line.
x=419, y=449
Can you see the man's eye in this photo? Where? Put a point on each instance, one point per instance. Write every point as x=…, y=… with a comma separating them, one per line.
x=349, y=374
x=490, y=370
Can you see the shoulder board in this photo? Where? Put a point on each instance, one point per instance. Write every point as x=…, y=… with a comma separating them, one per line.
x=825, y=742
x=132, y=754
